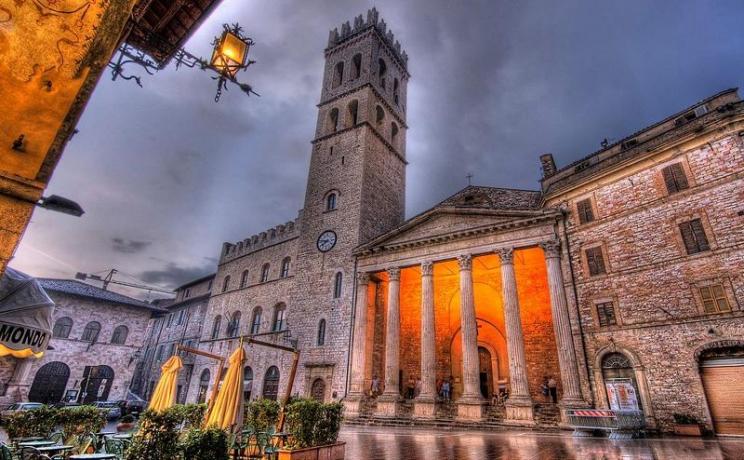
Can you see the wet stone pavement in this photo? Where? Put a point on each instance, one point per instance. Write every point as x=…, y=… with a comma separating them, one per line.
x=387, y=443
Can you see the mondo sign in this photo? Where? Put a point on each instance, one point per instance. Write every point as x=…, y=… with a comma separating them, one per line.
x=25, y=316
x=21, y=338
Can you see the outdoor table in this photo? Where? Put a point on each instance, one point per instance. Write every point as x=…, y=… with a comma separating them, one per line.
x=55, y=448
x=106, y=433
x=36, y=444
x=32, y=438
x=92, y=457
x=125, y=436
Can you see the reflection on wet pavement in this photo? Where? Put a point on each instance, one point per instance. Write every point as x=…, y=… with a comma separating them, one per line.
x=386, y=443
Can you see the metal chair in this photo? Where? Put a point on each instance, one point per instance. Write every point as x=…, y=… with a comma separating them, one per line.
x=5, y=452
x=116, y=447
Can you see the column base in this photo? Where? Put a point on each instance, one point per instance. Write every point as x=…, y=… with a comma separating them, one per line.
x=353, y=406
x=388, y=406
x=519, y=410
x=424, y=408
x=470, y=409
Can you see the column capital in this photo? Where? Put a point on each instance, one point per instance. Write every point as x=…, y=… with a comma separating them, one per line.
x=465, y=261
x=393, y=273
x=362, y=277
x=552, y=248
x=427, y=268
x=506, y=255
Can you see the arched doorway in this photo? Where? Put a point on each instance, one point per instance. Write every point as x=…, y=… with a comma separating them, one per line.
x=721, y=371
x=271, y=383
x=317, y=391
x=620, y=382
x=96, y=384
x=49, y=383
x=485, y=372
x=203, y=386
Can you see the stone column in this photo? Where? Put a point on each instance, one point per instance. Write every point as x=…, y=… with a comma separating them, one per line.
x=470, y=404
x=359, y=352
x=571, y=396
x=20, y=383
x=425, y=402
x=389, y=401
x=519, y=404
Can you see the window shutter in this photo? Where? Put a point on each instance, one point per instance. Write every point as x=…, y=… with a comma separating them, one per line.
x=699, y=232
x=675, y=178
x=586, y=213
x=688, y=238
x=595, y=261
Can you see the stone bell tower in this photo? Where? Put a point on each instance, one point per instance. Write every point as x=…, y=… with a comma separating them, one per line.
x=355, y=191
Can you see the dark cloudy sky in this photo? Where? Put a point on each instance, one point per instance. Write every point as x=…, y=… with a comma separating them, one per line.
x=165, y=175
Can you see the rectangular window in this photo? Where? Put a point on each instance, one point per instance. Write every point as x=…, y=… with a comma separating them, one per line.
x=595, y=261
x=606, y=314
x=714, y=299
x=693, y=235
x=675, y=178
x=586, y=213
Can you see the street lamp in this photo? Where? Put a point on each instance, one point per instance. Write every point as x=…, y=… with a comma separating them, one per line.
x=230, y=52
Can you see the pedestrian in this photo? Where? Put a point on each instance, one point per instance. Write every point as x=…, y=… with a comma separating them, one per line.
x=439, y=388
x=417, y=390
x=451, y=382
x=545, y=389
x=410, y=388
x=446, y=390
x=375, y=388
x=553, y=388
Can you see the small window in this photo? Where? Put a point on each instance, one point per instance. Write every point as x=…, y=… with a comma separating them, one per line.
x=181, y=317
x=265, y=273
x=396, y=97
x=714, y=299
x=159, y=355
x=256, y=321
x=379, y=115
x=285, y=267
x=331, y=201
x=338, y=74
x=120, y=335
x=595, y=261
x=271, y=383
x=606, y=314
x=333, y=120
x=187, y=294
x=693, y=235
x=244, y=279
x=233, y=327
x=90, y=333
x=216, y=327
x=226, y=283
x=675, y=178
x=382, y=72
x=279, y=318
x=584, y=208
x=393, y=132
x=62, y=328
x=353, y=109
x=209, y=286
x=321, y=332
x=356, y=66
x=337, y=284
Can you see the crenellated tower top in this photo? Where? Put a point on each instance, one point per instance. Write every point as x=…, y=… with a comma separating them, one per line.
x=373, y=21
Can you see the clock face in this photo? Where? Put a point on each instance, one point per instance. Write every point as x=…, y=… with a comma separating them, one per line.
x=326, y=241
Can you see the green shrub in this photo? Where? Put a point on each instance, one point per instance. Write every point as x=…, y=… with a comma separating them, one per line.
x=311, y=423
x=261, y=414
x=157, y=437
x=32, y=423
x=192, y=415
x=208, y=444
x=79, y=420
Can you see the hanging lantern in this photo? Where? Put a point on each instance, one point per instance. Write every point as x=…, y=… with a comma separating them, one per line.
x=230, y=53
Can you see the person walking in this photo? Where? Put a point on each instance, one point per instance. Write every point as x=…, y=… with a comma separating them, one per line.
x=545, y=389
x=446, y=390
x=553, y=389
x=375, y=388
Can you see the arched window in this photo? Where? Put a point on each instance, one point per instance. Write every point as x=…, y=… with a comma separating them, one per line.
x=337, y=283
x=120, y=335
x=279, y=322
x=62, y=328
x=379, y=114
x=226, y=283
x=203, y=386
x=393, y=132
x=331, y=201
x=356, y=66
x=321, y=332
x=90, y=333
x=396, y=96
x=333, y=120
x=338, y=74
x=285, y=267
x=382, y=72
x=244, y=279
x=216, y=326
x=271, y=383
x=353, y=115
x=265, y=273
x=256, y=320
x=247, y=383
x=234, y=325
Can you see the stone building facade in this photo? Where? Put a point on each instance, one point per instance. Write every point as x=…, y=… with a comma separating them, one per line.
x=96, y=338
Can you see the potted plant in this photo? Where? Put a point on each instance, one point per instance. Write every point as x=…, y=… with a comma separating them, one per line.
x=686, y=425
x=313, y=431
x=205, y=444
x=126, y=423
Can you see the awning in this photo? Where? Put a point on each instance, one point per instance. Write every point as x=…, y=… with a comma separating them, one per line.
x=25, y=316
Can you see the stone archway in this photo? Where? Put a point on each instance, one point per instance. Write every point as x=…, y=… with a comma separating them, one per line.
x=638, y=371
x=490, y=340
x=96, y=384
x=49, y=383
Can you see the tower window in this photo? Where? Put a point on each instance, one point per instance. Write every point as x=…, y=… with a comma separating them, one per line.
x=331, y=201
x=279, y=318
x=333, y=120
x=62, y=328
x=256, y=320
x=338, y=74
x=321, y=332
x=337, y=283
x=216, y=326
x=383, y=72
x=393, y=132
x=265, y=273
x=353, y=112
x=244, y=279
x=675, y=178
x=234, y=325
x=356, y=66
x=285, y=267
x=380, y=115
x=226, y=283
x=396, y=96
x=90, y=333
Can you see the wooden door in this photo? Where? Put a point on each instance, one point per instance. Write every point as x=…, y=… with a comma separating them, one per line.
x=722, y=380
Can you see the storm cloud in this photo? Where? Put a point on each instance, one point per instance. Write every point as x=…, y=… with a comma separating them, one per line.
x=494, y=84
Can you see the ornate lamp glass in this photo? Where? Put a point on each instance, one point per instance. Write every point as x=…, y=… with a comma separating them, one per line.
x=229, y=54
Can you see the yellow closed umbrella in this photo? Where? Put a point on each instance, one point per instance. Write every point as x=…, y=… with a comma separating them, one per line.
x=165, y=393
x=227, y=409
